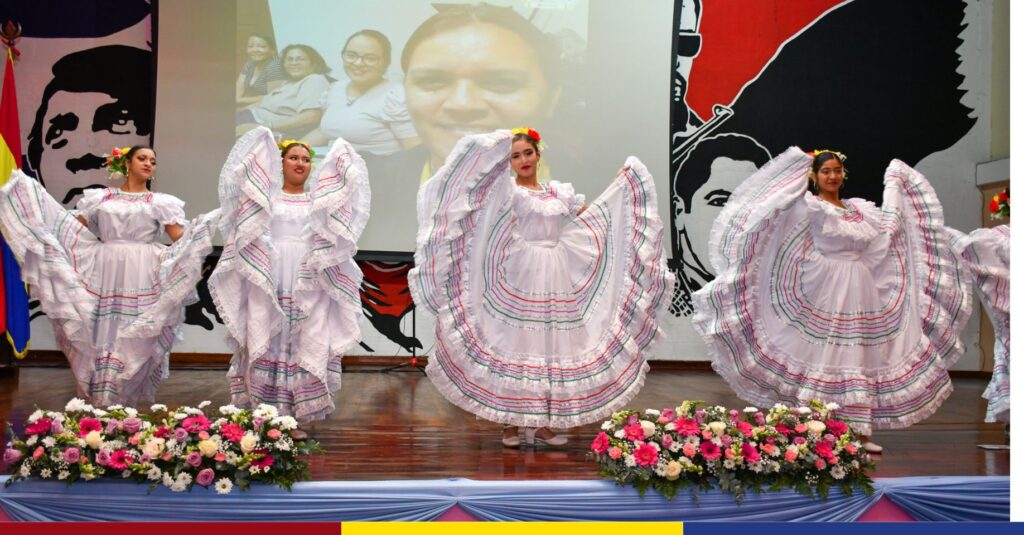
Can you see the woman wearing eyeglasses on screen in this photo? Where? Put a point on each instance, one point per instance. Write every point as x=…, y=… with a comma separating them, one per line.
x=368, y=111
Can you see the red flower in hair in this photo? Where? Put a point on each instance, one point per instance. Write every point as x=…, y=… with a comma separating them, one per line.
x=534, y=135
x=993, y=206
x=1003, y=196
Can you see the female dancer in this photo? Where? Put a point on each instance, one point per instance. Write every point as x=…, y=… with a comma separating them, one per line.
x=115, y=297
x=546, y=308
x=985, y=253
x=819, y=297
x=286, y=285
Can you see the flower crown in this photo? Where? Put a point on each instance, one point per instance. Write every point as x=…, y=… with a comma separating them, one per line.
x=286, y=142
x=999, y=206
x=816, y=152
x=117, y=162
x=530, y=133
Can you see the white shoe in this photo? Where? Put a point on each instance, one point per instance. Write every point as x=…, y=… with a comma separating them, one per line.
x=556, y=440
x=512, y=441
x=871, y=447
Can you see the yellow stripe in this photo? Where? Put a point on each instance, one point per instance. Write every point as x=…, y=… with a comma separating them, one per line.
x=510, y=528
x=6, y=161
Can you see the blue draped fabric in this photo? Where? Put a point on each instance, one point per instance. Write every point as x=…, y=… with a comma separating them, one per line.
x=941, y=498
x=950, y=498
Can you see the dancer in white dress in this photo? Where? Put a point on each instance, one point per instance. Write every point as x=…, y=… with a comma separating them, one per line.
x=286, y=285
x=836, y=300
x=115, y=296
x=546, y=308
x=985, y=256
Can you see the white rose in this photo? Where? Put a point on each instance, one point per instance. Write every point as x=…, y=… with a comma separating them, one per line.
x=816, y=427
x=717, y=428
x=207, y=447
x=94, y=440
x=35, y=416
x=672, y=470
x=648, y=427
x=248, y=443
x=153, y=447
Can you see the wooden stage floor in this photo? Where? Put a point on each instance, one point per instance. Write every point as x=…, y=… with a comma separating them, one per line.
x=397, y=426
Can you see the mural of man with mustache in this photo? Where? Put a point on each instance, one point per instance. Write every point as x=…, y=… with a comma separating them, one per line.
x=98, y=98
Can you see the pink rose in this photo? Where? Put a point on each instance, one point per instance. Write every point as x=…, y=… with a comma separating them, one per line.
x=851, y=448
x=40, y=450
x=203, y=435
x=599, y=445
x=706, y=434
x=819, y=464
x=745, y=428
x=833, y=460
x=689, y=450
x=274, y=434
x=56, y=428
x=205, y=477
x=783, y=429
x=134, y=440
x=11, y=455
x=132, y=425
x=666, y=441
x=71, y=455
x=729, y=454
x=769, y=449
x=823, y=449
x=646, y=455
x=220, y=457
x=615, y=452
x=801, y=428
x=791, y=455
x=195, y=458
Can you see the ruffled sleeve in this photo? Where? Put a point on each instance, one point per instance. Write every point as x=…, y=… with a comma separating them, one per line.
x=168, y=209
x=772, y=189
x=567, y=194
x=395, y=113
x=86, y=206
x=836, y=222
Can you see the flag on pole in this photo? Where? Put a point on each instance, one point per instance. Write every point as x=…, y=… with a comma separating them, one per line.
x=14, y=313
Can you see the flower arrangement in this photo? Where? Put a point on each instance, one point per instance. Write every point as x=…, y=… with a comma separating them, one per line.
x=178, y=448
x=999, y=206
x=117, y=162
x=806, y=449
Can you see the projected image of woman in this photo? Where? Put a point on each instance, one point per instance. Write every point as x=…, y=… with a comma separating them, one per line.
x=291, y=309
x=369, y=111
x=114, y=294
x=294, y=108
x=547, y=308
x=262, y=73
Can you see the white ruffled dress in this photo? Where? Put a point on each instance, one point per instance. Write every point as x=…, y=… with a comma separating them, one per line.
x=115, y=297
x=544, y=318
x=859, y=306
x=985, y=258
x=286, y=285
